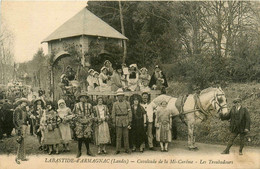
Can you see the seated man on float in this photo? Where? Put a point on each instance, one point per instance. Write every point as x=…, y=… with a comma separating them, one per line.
x=158, y=80
x=65, y=84
x=70, y=73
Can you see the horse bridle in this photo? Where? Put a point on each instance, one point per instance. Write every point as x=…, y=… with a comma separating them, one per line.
x=216, y=102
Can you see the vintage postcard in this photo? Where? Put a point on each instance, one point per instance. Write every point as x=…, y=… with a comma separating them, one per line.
x=129, y=84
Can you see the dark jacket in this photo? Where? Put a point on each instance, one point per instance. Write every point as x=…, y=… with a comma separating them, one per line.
x=239, y=119
x=20, y=117
x=153, y=80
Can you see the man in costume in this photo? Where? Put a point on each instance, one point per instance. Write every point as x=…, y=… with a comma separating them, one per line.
x=84, y=120
x=20, y=121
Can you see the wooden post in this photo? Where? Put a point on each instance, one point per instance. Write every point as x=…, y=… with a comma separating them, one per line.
x=52, y=82
x=123, y=31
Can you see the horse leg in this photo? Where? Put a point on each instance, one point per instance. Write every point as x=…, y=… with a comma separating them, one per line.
x=194, y=137
x=190, y=136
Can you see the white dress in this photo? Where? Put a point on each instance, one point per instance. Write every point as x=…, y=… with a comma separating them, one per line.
x=102, y=130
x=133, y=82
x=65, y=114
x=90, y=80
x=103, y=82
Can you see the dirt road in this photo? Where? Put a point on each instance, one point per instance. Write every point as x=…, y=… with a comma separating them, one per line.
x=208, y=156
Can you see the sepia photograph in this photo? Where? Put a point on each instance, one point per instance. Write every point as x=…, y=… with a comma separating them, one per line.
x=129, y=84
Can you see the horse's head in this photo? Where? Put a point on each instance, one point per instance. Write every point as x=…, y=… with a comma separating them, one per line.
x=219, y=102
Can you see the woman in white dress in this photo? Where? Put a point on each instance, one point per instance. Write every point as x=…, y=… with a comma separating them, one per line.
x=133, y=78
x=102, y=136
x=96, y=81
x=103, y=80
x=90, y=80
x=144, y=79
x=65, y=114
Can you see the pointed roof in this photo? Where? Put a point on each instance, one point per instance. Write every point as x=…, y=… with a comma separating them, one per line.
x=84, y=23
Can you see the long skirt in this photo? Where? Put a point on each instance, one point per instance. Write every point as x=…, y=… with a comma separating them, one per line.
x=65, y=132
x=138, y=132
x=163, y=133
x=52, y=137
x=102, y=135
x=21, y=148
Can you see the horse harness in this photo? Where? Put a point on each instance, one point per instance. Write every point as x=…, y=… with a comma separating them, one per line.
x=198, y=107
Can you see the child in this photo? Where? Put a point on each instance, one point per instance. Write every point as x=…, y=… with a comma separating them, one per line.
x=50, y=123
x=163, y=123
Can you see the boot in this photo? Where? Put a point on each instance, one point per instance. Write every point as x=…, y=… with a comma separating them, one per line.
x=78, y=154
x=225, y=152
x=89, y=153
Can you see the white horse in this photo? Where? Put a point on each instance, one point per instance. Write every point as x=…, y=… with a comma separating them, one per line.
x=197, y=108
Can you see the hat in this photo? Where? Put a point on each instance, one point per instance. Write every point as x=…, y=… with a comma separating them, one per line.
x=135, y=97
x=61, y=101
x=62, y=76
x=143, y=68
x=157, y=66
x=120, y=92
x=106, y=61
x=100, y=97
x=91, y=70
x=133, y=65
x=103, y=68
x=237, y=100
x=83, y=93
x=19, y=101
x=39, y=99
x=96, y=73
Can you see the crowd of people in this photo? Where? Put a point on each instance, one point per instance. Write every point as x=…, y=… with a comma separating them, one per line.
x=111, y=78
x=91, y=122
x=95, y=122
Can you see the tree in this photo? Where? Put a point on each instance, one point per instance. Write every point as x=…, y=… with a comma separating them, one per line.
x=6, y=54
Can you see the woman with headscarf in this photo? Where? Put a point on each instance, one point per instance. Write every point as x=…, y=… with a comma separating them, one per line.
x=138, y=123
x=133, y=78
x=102, y=136
x=66, y=115
x=50, y=125
x=90, y=80
x=109, y=67
x=163, y=124
x=96, y=81
x=103, y=80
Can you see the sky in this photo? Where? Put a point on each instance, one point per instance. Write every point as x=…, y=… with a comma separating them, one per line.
x=32, y=21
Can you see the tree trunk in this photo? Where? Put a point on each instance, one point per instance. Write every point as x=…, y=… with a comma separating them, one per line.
x=123, y=31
